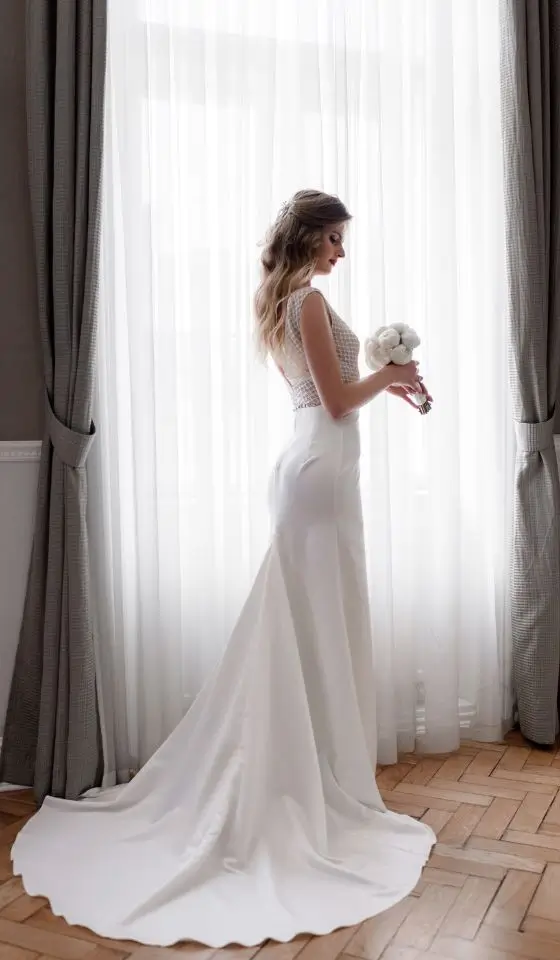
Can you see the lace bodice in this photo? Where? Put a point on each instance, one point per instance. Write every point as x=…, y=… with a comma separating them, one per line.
x=292, y=356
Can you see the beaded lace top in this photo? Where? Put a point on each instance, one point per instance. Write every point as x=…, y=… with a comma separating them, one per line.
x=292, y=358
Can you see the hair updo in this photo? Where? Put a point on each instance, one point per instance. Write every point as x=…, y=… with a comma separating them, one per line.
x=289, y=258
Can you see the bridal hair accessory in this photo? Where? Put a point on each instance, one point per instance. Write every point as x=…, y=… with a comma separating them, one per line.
x=287, y=209
x=395, y=344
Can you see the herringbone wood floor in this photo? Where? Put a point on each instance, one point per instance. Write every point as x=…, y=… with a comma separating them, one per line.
x=490, y=892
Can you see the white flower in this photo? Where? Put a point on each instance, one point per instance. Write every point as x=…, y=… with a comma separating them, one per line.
x=389, y=337
x=377, y=355
x=410, y=338
x=400, y=354
x=369, y=348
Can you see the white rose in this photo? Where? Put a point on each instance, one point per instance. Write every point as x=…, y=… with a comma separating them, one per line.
x=401, y=354
x=410, y=338
x=376, y=356
x=369, y=348
x=389, y=338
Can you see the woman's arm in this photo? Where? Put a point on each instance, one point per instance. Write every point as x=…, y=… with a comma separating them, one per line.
x=337, y=397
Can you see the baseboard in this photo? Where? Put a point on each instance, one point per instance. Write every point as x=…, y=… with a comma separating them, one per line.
x=19, y=451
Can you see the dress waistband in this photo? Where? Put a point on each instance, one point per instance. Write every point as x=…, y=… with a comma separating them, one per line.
x=318, y=414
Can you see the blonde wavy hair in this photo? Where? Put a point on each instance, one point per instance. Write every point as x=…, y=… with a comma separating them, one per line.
x=289, y=259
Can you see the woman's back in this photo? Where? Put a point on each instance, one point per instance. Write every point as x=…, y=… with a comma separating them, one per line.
x=291, y=358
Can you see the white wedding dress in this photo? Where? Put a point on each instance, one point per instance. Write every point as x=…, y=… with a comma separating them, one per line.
x=259, y=817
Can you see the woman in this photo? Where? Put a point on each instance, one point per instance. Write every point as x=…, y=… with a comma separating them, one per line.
x=259, y=817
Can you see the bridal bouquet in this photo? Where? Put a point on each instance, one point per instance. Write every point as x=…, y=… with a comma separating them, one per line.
x=395, y=344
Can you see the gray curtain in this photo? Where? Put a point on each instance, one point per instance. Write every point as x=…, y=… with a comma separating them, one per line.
x=51, y=739
x=530, y=70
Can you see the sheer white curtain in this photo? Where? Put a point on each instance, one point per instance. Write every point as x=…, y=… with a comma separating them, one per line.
x=216, y=113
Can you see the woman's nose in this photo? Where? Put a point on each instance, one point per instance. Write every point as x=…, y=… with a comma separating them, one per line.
x=342, y=252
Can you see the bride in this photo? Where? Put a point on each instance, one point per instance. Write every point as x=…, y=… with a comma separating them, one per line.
x=259, y=817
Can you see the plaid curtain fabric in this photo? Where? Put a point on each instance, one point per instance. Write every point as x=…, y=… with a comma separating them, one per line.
x=51, y=739
x=530, y=64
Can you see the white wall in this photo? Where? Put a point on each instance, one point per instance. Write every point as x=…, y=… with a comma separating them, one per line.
x=19, y=470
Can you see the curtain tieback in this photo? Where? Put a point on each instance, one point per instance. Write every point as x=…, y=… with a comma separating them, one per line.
x=71, y=446
x=534, y=437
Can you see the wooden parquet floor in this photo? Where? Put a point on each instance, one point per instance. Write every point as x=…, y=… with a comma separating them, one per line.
x=490, y=892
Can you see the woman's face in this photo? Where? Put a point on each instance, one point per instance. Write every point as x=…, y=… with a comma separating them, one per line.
x=331, y=249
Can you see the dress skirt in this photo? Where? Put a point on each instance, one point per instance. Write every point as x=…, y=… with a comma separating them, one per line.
x=259, y=817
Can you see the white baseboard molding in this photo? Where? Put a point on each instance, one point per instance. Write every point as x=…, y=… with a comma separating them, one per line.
x=19, y=471
x=19, y=451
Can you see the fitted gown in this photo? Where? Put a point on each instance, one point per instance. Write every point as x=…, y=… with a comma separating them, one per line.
x=259, y=817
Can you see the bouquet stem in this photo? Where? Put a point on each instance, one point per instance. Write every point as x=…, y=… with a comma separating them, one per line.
x=423, y=404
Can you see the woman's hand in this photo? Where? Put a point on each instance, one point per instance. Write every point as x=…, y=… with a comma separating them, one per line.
x=405, y=382
x=405, y=376
x=404, y=393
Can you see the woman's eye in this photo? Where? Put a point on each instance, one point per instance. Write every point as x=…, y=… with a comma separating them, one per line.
x=335, y=239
